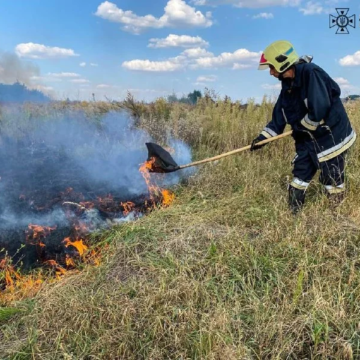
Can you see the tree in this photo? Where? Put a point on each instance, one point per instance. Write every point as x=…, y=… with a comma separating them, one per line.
x=172, y=98
x=190, y=98
x=193, y=96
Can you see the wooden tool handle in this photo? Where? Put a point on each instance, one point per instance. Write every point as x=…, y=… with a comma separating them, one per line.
x=235, y=151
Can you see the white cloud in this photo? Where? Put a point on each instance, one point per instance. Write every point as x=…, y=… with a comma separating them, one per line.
x=238, y=66
x=345, y=86
x=320, y=7
x=342, y=81
x=38, y=51
x=45, y=78
x=45, y=88
x=103, y=86
x=208, y=78
x=83, y=64
x=197, y=53
x=79, y=81
x=155, y=66
x=271, y=86
x=351, y=60
x=153, y=91
x=177, y=14
x=263, y=15
x=171, y=64
x=251, y=4
x=312, y=8
x=63, y=75
x=238, y=59
x=196, y=58
x=55, y=77
x=34, y=77
x=172, y=40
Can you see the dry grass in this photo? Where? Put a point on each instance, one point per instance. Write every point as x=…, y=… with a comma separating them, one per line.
x=224, y=273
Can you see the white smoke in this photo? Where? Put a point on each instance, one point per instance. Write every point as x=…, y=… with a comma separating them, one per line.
x=92, y=157
x=13, y=69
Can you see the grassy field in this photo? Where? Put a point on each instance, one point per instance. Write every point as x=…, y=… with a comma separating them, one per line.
x=225, y=272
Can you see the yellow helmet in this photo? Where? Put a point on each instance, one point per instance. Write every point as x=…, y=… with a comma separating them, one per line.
x=280, y=54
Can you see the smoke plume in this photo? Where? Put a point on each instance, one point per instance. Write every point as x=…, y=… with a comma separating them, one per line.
x=13, y=69
x=44, y=162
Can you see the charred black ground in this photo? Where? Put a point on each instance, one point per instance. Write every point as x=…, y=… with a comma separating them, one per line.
x=70, y=177
x=41, y=186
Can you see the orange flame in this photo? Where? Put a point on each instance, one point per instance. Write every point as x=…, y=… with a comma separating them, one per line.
x=128, y=207
x=77, y=244
x=8, y=279
x=147, y=165
x=69, y=261
x=9, y=272
x=144, y=169
x=168, y=197
x=17, y=287
x=94, y=258
x=59, y=270
x=37, y=232
x=36, y=235
x=154, y=190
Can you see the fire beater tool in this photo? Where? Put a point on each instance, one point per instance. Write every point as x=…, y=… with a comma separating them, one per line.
x=164, y=163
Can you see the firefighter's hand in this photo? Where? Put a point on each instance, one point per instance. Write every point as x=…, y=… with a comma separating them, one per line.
x=254, y=145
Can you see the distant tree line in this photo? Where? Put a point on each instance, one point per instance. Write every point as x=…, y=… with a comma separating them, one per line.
x=351, y=97
x=20, y=93
x=190, y=98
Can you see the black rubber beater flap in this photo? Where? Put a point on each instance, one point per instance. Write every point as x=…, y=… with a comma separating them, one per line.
x=163, y=160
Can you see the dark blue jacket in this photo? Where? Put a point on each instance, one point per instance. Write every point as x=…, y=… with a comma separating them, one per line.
x=311, y=105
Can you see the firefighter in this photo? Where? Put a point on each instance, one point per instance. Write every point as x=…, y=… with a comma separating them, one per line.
x=310, y=103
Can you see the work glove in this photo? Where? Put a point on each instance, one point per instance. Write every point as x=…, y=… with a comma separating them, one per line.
x=254, y=145
x=299, y=135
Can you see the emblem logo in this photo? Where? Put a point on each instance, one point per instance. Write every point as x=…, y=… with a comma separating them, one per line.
x=342, y=21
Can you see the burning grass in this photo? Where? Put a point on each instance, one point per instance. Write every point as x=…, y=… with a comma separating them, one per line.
x=16, y=286
x=225, y=272
x=48, y=224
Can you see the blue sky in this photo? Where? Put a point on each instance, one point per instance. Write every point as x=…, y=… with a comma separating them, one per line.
x=153, y=48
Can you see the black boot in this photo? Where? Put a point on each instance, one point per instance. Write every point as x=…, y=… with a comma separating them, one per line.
x=296, y=199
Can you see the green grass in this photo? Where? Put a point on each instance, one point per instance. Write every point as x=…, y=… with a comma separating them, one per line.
x=225, y=272
x=7, y=312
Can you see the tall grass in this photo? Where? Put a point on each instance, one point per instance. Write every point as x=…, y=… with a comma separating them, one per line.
x=225, y=272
